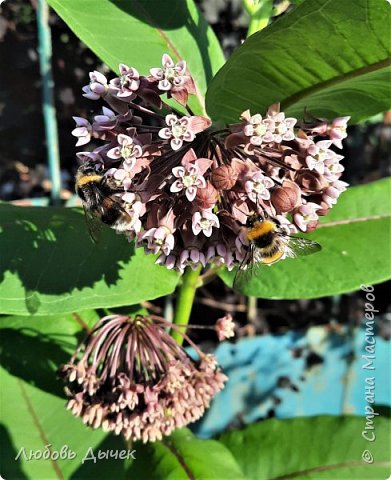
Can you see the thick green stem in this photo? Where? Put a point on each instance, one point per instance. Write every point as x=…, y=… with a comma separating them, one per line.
x=185, y=300
x=260, y=12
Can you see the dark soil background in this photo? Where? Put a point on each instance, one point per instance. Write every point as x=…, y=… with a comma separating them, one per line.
x=23, y=171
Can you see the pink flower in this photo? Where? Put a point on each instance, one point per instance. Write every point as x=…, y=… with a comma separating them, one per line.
x=225, y=327
x=305, y=215
x=160, y=240
x=216, y=254
x=173, y=79
x=189, y=179
x=122, y=176
x=317, y=153
x=171, y=75
x=178, y=130
x=169, y=261
x=259, y=130
x=106, y=121
x=337, y=130
x=135, y=209
x=82, y=131
x=340, y=186
x=127, y=83
x=97, y=87
x=333, y=168
x=204, y=222
x=190, y=257
x=281, y=127
x=285, y=225
x=125, y=149
x=258, y=187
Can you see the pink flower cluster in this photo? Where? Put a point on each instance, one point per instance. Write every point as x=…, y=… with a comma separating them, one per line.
x=188, y=187
x=131, y=378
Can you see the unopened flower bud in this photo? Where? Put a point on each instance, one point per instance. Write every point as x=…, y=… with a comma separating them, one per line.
x=224, y=177
x=206, y=198
x=311, y=226
x=311, y=181
x=287, y=197
x=324, y=209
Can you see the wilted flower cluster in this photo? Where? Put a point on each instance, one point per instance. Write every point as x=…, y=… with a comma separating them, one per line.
x=131, y=378
x=189, y=188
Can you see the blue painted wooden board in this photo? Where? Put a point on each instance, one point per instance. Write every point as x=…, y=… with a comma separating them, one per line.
x=336, y=386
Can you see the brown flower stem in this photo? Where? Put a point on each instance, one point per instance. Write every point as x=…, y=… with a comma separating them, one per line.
x=190, y=283
x=209, y=275
x=140, y=108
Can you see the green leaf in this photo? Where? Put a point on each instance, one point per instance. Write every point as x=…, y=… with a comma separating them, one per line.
x=33, y=413
x=183, y=456
x=138, y=32
x=330, y=56
x=355, y=250
x=311, y=448
x=49, y=265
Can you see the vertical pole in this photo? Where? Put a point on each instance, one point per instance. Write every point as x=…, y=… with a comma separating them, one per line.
x=48, y=106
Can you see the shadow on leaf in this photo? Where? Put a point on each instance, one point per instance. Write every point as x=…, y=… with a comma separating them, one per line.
x=38, y=357
x=10, y=468
x=49, y=249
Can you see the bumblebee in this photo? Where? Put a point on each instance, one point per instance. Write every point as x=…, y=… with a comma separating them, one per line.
x=99, y=203
x=267, y=244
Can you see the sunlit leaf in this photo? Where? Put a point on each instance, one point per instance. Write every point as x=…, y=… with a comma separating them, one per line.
x=330, y=56
x=49, y=265
x=355, y=250
x=138, y=32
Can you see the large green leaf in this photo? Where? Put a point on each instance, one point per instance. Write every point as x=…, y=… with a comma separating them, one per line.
x=138, y=32
x=331, y=56
x=49, y=265
x=184, y=457
x=355, y=250
x=311, y=448
x=33, y=413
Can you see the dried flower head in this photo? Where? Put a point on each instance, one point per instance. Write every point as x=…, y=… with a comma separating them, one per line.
x=131, y=378
x=189, y=188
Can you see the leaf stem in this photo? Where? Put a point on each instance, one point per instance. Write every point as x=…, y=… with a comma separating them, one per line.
x=209, y=275
x=260, y=12
x=187, y=290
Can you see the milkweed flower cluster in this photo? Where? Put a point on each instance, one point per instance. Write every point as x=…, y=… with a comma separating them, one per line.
x=131, y=378
x=188, y=187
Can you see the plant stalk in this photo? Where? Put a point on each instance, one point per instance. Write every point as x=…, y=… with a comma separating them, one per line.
x=48, y=105
x=185, y=300
x=260, y=12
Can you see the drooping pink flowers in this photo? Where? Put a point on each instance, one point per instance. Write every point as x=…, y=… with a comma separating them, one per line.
x=131, y=378
x=188, y=187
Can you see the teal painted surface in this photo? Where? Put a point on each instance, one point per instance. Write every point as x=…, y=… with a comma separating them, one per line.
x=256, y=368
x=48, y=106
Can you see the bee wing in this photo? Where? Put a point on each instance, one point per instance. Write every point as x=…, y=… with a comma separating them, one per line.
x=93, y=224
x=247, y=270
x=298, y=247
